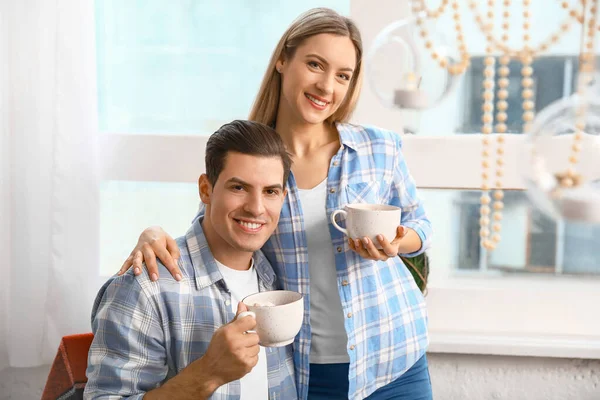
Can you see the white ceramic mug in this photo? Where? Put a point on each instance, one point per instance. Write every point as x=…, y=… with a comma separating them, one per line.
x=369, y=220
x=278, y=324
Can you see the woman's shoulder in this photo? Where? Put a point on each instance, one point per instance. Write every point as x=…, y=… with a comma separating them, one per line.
x=368, y=132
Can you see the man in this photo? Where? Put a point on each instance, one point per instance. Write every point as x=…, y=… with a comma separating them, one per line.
x=174, y=340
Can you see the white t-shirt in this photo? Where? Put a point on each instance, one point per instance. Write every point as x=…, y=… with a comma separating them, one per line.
x=329, y=339
x=254, y=385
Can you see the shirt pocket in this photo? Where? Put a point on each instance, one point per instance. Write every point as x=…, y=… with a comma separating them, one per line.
x=363, y=192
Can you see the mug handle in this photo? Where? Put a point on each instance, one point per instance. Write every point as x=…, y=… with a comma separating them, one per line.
x=245, y=314
x=339, y=228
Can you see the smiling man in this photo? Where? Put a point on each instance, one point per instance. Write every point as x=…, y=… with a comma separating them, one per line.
x=180, y=340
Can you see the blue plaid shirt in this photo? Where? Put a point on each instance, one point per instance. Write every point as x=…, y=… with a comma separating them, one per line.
x=147, y=332
x=387, y=330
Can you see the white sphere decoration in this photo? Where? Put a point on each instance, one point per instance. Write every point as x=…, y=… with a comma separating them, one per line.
x=562, y=162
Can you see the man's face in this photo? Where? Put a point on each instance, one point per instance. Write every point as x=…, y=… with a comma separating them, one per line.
x=244, y=204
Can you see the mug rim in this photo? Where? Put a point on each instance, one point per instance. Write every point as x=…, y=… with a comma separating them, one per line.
x=367, y=207
x=300, y=297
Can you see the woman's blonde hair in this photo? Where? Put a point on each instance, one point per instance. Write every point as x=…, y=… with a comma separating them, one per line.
x=311, y=23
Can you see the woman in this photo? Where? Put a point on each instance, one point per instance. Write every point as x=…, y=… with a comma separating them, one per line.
x=368, y=337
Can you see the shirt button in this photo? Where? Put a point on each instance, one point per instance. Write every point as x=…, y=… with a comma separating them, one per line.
x=336, y=163
x=344, y=283
x=227, y=302
x=339, y=249
x=349, y=315
x=352, y=347
x=332, y=190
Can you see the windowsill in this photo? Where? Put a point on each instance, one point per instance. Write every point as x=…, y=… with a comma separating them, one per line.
x=543, y=316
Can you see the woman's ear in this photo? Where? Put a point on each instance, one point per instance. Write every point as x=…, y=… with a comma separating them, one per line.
x=204, y=188
x=279, y=65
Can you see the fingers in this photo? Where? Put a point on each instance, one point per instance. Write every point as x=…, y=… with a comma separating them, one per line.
x=253, y=351
x=126, y=265
x=401, y=231
x=366, y=249
x=166, y=257
x=388, y=249
x=371, y=249
x=138, y=259
x=244, y=324
x=173, y=248
x=150, y=259
x=241, y=307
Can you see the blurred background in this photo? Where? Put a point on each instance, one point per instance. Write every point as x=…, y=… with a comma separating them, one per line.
x=105, y=106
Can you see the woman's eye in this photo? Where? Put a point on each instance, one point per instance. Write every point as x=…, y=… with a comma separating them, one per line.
x=344, y=77
x=314, y=64
x=237, y=187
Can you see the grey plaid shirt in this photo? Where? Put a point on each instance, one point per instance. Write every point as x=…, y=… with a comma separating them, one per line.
x=147, y=332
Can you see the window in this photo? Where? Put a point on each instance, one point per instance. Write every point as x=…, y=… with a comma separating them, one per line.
x=167, y=70
x=167, y=77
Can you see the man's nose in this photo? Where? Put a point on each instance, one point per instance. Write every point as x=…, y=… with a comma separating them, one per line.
x=255, y=204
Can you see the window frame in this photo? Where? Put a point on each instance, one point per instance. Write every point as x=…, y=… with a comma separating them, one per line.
x=474, y=312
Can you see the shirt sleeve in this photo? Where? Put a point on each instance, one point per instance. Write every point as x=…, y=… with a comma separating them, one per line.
x=127, y=357
x=404, y=195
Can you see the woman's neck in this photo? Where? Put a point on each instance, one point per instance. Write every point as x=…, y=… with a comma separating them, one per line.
x=301, y=138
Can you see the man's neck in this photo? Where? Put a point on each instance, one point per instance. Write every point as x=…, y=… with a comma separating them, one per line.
x=222, y=252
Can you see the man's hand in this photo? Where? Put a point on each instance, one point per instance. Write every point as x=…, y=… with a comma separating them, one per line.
x=231, y=354
x=233, y=351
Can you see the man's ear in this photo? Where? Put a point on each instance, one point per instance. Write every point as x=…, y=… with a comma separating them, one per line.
x=204, y=188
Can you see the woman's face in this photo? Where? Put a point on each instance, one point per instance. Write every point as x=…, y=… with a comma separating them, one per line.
x=316, y=79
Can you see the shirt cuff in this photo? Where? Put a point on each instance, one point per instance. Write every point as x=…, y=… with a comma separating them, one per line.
x=425, y=241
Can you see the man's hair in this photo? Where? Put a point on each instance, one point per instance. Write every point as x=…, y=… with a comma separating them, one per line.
x=245, y=137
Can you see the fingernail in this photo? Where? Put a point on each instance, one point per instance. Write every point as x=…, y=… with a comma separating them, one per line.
x=154, y=277
x=357, y=242
x=136, y=271
x=380, y=237
x=177, y=277
x=366, y=240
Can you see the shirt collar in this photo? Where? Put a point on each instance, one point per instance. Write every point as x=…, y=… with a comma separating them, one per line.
x=206, y=271
x=349, y=135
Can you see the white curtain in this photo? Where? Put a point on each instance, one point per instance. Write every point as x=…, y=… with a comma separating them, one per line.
x=49, y=193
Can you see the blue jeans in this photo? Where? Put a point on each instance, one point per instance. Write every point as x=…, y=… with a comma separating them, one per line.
x=330, y=382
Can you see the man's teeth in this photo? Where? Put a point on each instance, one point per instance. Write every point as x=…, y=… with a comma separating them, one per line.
x=250, y=225
x=318, y=102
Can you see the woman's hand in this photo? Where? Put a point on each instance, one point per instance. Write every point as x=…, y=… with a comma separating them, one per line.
x=366, y=248
x=153, y=242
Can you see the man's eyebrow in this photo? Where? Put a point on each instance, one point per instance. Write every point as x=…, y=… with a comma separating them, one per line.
x=246, y=184
x=276, y=186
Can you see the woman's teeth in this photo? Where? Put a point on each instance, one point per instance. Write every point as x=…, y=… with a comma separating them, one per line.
x=316, y=101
